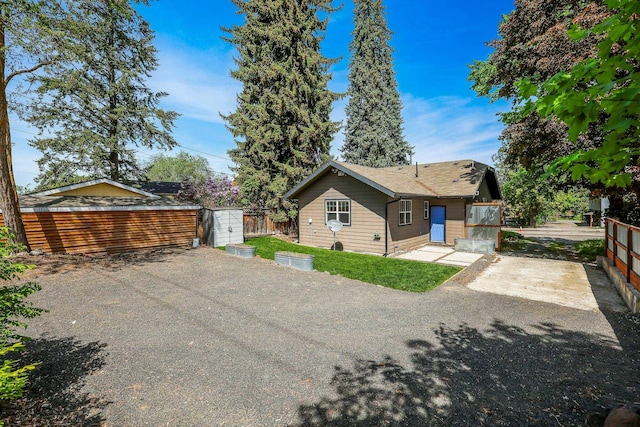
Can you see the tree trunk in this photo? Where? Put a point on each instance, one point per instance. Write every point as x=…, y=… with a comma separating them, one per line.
x=114, y=166
x=8, y=195
x=532, y=218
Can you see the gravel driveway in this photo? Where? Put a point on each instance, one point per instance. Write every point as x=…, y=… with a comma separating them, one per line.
x=201, y=338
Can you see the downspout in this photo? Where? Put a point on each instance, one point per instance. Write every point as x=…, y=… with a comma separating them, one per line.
x=386, y=222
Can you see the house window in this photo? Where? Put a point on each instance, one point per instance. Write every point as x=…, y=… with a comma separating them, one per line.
x=338, y=209
x=426, y=209
x=404, y=212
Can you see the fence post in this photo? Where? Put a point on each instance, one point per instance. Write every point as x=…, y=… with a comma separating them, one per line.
x=615, y=242
x=608, y=237
x=629, y=257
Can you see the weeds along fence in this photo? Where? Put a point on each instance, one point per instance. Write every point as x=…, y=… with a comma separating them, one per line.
x=259, y=224
x=623, y=249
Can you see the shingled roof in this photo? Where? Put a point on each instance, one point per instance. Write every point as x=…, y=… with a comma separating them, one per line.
x=35, y=203
x=455, y=179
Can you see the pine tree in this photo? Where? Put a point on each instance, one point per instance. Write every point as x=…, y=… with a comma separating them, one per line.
x=373, y=134
x=281, y=125
x=30, y=40
x=93, y=110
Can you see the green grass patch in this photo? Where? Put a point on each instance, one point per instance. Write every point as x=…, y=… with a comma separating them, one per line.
x=556, y=246
x=393, y=273
x=512, y=241
x=590, y=249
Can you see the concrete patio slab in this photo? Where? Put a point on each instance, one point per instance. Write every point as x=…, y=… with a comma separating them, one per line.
x=442, y=255
x=421, y=256
x=461, y=258
x=565, y=283
x=436, y=249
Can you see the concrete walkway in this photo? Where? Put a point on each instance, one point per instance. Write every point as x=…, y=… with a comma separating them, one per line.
x=442, y=255
x=565, y=283
x=562, y=282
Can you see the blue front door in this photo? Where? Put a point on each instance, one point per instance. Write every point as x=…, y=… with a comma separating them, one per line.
x=437, y=223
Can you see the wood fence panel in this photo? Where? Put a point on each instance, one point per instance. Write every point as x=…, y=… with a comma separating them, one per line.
x=261, y=225
x=623, y=249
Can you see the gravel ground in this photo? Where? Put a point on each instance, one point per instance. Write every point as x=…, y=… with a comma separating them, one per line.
x=198, y=337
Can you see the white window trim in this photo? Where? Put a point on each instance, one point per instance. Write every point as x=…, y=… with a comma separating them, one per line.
x=337, y=211
x=426, y=209
x=403, y=213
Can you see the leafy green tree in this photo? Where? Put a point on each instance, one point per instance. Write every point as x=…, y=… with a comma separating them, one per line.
x=30, y=39
x=534, y=43
x=178, y=168
x=604, y=91
x=373, y=134
x=94, y=109
x=281, y=125
x=526, y=193
x=571, y=203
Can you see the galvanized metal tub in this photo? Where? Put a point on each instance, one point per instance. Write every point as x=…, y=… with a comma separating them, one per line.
x=295, y=260
x=482, y=246
x=244, y=251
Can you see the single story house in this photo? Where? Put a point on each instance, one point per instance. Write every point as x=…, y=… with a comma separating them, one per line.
x=104, y=216
x=384, y=210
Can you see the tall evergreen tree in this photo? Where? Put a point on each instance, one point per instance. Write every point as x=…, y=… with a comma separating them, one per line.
x=30, y=39
x=95, y=109
x=373, y=135
x=281, y=125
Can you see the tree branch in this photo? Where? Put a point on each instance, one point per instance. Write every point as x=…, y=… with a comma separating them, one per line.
x=30, y=70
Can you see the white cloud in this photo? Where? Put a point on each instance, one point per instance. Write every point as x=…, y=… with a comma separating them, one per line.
x=443, y=128
x=198, y=82
x=200, y=87
x=450, y=128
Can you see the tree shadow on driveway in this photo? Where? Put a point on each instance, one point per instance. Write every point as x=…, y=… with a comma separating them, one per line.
x=61, y=263
x=502, y=376
x=54, y=395
x=543, y=247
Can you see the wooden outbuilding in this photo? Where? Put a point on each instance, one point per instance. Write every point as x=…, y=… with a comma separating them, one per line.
x=104, y=216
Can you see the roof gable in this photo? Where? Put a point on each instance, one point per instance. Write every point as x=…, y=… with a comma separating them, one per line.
x=96, y=188
x=455, y=179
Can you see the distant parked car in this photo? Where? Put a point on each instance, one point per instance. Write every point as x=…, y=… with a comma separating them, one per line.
x=510, y=222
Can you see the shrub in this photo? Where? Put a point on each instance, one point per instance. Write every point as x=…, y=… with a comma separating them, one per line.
x=590, y=249
x=12, y=380
x=13, y=308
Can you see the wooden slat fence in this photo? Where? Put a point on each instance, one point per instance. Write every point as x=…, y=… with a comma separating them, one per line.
x=261, y=225
x=623, y=249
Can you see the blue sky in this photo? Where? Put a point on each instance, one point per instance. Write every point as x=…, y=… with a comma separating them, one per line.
x=433, y=41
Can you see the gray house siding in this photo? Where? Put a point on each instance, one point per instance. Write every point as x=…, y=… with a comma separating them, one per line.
x=367, y=215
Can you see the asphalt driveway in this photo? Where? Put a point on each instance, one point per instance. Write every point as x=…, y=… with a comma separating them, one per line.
x=202, y=338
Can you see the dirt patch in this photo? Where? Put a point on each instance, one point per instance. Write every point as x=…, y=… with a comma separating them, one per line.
x=61, y=263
